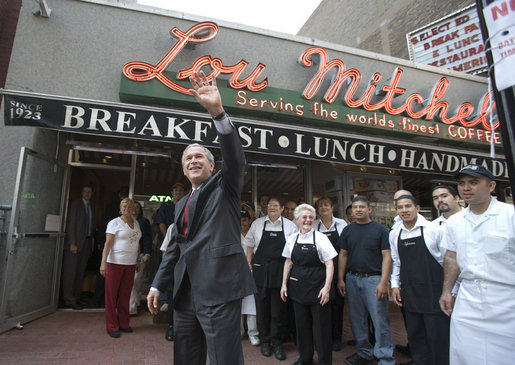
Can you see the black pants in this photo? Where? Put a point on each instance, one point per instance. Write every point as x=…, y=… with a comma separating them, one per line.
x=428, y=337
x=313, y=324
x=270, y=311
x=200, y=329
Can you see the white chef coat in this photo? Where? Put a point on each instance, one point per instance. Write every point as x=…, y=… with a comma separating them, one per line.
x=255, y=232
x=339, y=223
x=432, y=237
x=324, y=247
x=483, y=319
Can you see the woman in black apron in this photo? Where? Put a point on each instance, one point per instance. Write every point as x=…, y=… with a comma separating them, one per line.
x=307, y=276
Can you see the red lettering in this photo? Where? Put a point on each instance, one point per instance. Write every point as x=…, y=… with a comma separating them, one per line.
x=202, y=32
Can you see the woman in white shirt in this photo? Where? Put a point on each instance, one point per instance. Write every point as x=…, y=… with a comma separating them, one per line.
x=307, y=276
x=119, y=261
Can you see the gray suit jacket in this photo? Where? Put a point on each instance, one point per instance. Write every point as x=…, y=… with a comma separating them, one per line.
x=76, y=223
x=211, y=252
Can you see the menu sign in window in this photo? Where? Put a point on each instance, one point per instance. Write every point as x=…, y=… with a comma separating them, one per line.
x=454, y=42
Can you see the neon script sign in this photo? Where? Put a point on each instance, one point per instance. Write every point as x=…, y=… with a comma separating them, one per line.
x=415, y=105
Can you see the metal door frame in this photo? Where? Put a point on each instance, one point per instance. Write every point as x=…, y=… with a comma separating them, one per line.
x=14, y=235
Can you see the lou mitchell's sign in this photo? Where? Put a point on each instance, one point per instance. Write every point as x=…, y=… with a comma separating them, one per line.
x=378, y=96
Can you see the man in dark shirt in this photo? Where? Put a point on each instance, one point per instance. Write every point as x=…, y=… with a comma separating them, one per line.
x=166, y=212
x=365, y=254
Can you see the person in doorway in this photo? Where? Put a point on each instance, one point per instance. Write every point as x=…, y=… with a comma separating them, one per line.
x=205, y=251
x=79, y=246
x=265, y=243
x=248, y=305
x=417, y=278
x=145, y=248
x=111, y=211
x=289, y=208
x=332, y=227
x=166, y=212
x=119, y=263
x=365, y=258
x=348, y=213
x=480, y=242
x=263, y=205
x=447, y=200
x=249, y=207
x=307, y=277
x=165, y=217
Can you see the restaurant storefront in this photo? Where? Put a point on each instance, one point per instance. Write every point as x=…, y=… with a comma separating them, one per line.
x=89, y=99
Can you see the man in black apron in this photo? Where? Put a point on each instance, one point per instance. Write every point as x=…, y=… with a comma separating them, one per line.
x=417, y=280
x=269, y=235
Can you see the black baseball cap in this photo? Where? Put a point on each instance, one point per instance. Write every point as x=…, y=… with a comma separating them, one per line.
x=476, y=171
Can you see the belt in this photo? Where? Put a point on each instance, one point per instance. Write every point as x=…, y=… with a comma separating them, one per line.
x=364, y=274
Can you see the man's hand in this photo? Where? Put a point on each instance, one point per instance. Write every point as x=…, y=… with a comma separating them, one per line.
x=206, y=93
x=381, y=291
x=447, y=303
x=396, y=293
x=341, y=287
x=324, y=295
x=153, y=301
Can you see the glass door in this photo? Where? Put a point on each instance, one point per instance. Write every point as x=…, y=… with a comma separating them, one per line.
x=34, y=241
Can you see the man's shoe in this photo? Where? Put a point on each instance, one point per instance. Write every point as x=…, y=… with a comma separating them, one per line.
x=403, y=349
x=114, y=334
x=127, y=330
x=299, y=362
x=254, y=340
x=337, y=346
x=351, y=342
x=74, y=306
x=355, y=359
x=169, y=333
x=279, y=353
x=266, y=350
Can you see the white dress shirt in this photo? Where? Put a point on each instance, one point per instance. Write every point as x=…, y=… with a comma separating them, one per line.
x=255, y=232
x=432, y=236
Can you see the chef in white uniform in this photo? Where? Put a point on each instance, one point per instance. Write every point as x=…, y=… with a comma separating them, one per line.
x=480, y=242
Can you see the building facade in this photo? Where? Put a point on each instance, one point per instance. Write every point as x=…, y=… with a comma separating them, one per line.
x=96, y=93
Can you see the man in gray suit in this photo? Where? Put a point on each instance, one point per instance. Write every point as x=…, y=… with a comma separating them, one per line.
x=78, y=247
x=205, y=257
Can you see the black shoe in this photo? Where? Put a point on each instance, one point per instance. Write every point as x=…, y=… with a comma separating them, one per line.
x=169, y=333
x=355, y=359
x=266, y=350
x=299, y=362
x=74, y=306
x=127, y=330
x=403, y=349
x=351, y=342
x=279, y=353
x=337, y=345
x=114, y=334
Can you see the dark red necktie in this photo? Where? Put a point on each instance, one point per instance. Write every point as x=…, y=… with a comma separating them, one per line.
x=185, y=215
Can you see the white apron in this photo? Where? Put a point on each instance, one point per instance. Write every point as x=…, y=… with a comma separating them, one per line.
x=483, y=324
x=248, y=305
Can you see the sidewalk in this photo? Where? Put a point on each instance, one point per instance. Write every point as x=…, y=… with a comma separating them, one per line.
x=79, y=337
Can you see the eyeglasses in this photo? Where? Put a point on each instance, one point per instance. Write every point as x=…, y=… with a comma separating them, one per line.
x=273, y=205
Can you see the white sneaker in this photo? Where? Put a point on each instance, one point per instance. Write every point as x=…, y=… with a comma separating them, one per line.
x=254, y=340
x=164, y=308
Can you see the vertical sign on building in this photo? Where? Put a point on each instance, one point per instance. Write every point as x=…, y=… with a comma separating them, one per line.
x=453, y=42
